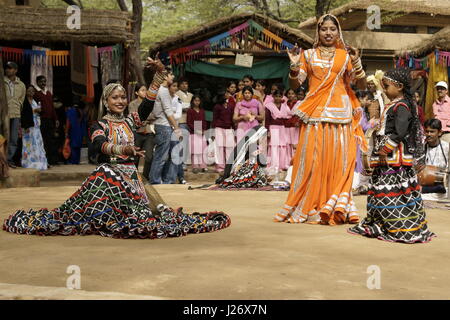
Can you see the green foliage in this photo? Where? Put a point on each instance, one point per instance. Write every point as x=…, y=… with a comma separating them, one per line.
x=87, y=4
x=165, y=18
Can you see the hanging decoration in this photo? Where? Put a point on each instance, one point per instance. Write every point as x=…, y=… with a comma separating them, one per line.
x=56, y=58
x=408, y=61
x=224, y=40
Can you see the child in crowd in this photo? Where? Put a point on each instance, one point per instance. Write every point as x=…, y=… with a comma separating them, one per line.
x=301, y=93
x=248, y=113
x=144, y=137
x=292, y=124
x=261, y=87
x=197, y=126
x=223, y=129
x=418, y=99
x=395, y=210
x=360, y=180
x=232, y=88
x=240, y=86
x=277, y=112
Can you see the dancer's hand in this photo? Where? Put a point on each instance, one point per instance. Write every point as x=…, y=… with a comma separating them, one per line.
x=133, y=151
x=353, y=52
x=156, y=63
x=294, y=55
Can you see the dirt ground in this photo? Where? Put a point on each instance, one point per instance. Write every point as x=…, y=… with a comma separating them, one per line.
x=254, y=258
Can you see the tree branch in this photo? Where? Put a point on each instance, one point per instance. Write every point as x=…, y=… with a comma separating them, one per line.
x=122, y=5
x=71, y=3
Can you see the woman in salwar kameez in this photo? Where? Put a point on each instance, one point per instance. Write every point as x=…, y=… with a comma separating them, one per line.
x=325, y=158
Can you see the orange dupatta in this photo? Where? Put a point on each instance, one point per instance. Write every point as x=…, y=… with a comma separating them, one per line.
x=311, y=108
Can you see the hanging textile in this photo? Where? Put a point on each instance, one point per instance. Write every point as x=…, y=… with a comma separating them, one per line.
x=58, y=58
x=41, y=67
x=78, y=68
x=90, y=94
x=438, y=72
x=105, y=54
x=12, y=54
x=117, y=63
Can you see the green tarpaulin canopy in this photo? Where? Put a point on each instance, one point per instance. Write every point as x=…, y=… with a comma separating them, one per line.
x=266, y=69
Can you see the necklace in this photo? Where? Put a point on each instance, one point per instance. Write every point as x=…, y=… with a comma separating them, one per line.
x=327, y=55
x=114, y=117
x=327, y=49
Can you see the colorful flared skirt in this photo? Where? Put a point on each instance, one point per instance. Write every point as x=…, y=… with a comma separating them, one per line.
x=112, y=202
x=394, y=207
x=322, y=175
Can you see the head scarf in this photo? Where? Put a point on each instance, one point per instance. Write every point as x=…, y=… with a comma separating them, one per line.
x=107, y=90
x=376, y=79
x=340, y=42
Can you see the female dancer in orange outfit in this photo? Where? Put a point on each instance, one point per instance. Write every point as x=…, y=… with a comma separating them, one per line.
x=324, y=162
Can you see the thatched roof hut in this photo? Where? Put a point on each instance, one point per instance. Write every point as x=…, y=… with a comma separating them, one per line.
x=432, y=7
x=50, y=24
x=223, y=24
x=440, y=40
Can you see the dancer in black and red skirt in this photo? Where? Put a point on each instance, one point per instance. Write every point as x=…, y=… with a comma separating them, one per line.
x=112, y=201
x=394, y=204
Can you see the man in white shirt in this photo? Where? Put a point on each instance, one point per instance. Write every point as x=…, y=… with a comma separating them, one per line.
x=185, y=97
x=436, y=155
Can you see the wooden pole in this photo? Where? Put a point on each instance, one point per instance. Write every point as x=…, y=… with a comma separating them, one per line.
x=3, y=104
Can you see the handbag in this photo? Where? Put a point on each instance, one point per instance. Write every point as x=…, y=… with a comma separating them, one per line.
x=66, y=149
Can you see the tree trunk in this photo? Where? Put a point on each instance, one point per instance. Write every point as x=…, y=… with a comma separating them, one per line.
x=322, y=7
x=136, y=67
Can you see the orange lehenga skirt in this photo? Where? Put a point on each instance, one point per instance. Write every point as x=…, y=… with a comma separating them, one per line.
x=322, y=176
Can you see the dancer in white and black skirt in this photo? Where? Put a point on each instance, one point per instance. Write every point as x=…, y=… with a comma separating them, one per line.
x=112, y=201
x=245, y=166
x=394, y=203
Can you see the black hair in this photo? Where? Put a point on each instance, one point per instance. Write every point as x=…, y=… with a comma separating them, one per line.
x=220, y=99
x=182, y=79
x=230, y=83
x=138, y=86
x=249, y=77
x=290, y=89
x=113, y=81
x=329, y=18
x=40, y=77
x=277, y=93
x=433, y=124
x=279, y=86
x=247, y=88
x=300, y=89
x=362, y=94
x=195, y=97
x=262, y=82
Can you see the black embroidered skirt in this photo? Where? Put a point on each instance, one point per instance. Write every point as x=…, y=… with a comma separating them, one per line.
x=394, y=207
x=112, y=202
